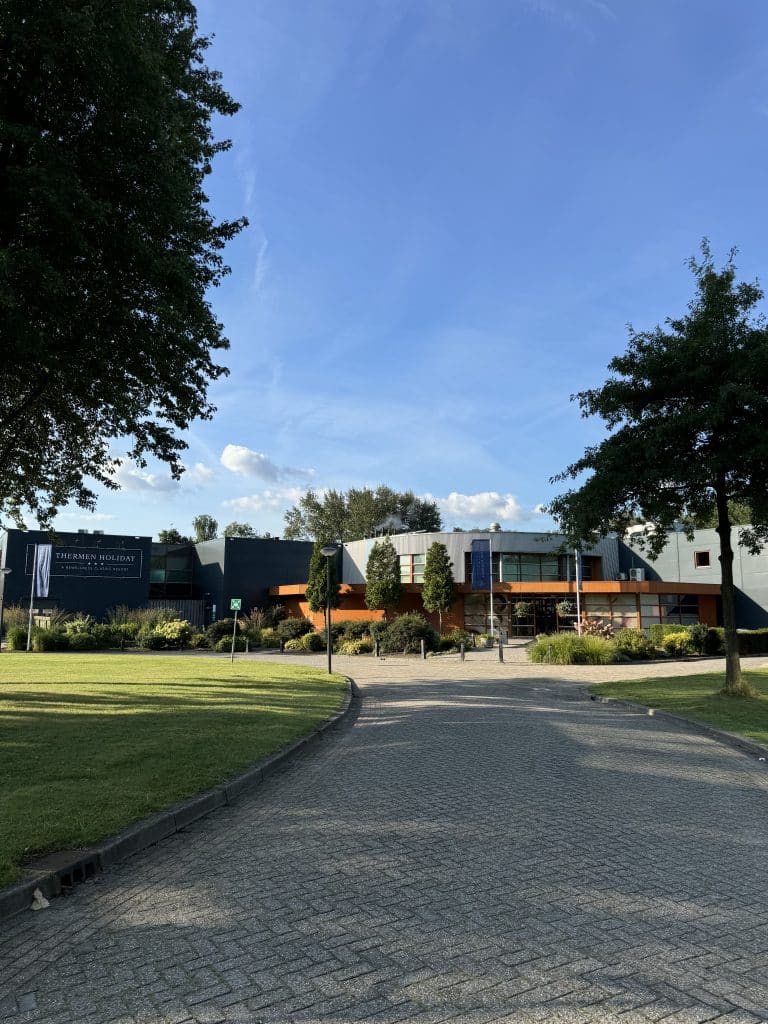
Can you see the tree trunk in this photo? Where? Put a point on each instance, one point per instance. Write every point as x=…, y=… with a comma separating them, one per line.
x=734, y=684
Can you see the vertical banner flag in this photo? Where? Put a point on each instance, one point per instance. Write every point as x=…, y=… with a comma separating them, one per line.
x=579, y=574
x=481, y=565
x=43, y=569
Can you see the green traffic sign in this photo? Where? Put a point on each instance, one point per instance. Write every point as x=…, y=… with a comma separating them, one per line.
x=235, y=604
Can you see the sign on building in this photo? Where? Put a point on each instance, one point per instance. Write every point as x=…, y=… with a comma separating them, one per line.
x=91, y=563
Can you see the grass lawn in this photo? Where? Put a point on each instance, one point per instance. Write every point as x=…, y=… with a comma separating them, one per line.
x=697, y=697
x=90, y=743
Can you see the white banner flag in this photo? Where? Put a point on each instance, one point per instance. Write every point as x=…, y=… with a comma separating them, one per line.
x=43, y=575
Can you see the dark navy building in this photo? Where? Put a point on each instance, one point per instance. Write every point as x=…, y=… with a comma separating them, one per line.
x=94, y=572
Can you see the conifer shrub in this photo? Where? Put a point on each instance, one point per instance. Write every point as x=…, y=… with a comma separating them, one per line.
x=405, y=633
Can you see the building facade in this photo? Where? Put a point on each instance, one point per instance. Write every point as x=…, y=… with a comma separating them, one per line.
x=95, y=572
x=531, y=571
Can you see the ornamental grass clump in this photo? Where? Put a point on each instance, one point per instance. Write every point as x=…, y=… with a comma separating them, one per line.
x=571, y=649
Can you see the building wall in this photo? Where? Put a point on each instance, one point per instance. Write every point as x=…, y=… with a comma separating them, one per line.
x=79, y=592
x=677, y=562
x=355, y=554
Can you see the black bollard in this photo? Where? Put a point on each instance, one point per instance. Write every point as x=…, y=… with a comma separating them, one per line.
x=376, y=648
x=461, y=651
x=282, y=646
x=501, y=650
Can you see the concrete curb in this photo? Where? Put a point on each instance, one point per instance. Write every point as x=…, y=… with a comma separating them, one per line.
x=728, y=739
x=61, y=871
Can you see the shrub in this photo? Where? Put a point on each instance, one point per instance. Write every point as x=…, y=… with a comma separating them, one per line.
x=176, y=633
x=15, y=615
x=679, y=644
x=659, y=630
x=714, y=642
x=484, y=640
x=224, y=645
x=351, y=629
x=273, y=614
x=571, y=649
x=405, y=633
x=597, y=627
x=293, y=628
x=197, y=640
x=218, y=629
x=454, y=638
x=312, y=642
x=294, y=644
x=269, y=638
x=124, y=633
x=753, y=641
x=43, y=640
x=634, y=644
x=698, y=633
x=16, y=638
x=80, y=642
x=351, y=647
x=377, y=628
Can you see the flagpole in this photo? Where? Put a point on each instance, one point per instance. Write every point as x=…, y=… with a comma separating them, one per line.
x=577, y=555
x=31, y=599
x=490, y=575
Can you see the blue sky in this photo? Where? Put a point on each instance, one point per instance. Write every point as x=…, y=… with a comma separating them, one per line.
x=455, y=208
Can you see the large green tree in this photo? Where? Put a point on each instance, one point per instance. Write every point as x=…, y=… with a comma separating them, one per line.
x=205, y=528
x=383, y=588
x=438, y=591
x=687, y=407
x=172, y=536
x=358, y=513
x=236, y=529
x=107, y=246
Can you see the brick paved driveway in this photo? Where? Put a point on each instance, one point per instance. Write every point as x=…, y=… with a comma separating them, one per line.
x=483, y=849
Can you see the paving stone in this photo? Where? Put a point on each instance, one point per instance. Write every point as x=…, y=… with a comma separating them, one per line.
x=484, y=845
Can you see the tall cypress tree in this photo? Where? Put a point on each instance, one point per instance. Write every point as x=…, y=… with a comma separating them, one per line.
x=317, y=581
x=438, y=591
x=382, y=577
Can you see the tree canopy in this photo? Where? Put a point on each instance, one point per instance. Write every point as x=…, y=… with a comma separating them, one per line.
x=107, y=247
x=687, y=407
x=358, y=513
x=205, y=527
x=438, y=591
x=383, y=588
x=236, y=529
x=172, y=536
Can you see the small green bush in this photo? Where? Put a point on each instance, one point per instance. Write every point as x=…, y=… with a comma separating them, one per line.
x=293, y=628
x=753, y=641
x=351, y=629
x=81, y=642
x=659, y=630
x=43, y=639
x=378, y=629
x=294, y=644
x=175, y=633
x=405, y=633
x=218, y=629
x=312, y=642
x=224, y=645
x=454, y=638
x=571, y=649
x=634, y=644
x=679, y=644
x=16, y=638
x=714, y=642
x=269, y=638
x=197, y=640
x=698, y=633
x=352, y=647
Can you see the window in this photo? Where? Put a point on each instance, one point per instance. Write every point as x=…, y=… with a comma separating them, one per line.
x=682, y=608
x=701, y=559
x=412, y=568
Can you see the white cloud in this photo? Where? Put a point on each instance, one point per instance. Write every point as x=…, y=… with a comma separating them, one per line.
x=246, y=462
x=483, y=508
x=198, y=474
x=91, y=517
x=129, y=477
x=239, y=459
x=268, y=500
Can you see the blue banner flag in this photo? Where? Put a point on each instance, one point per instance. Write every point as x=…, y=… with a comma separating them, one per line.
x=481, y=565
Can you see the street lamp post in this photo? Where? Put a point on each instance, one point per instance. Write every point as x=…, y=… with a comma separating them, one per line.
x=329, y=551
x=4, y=573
